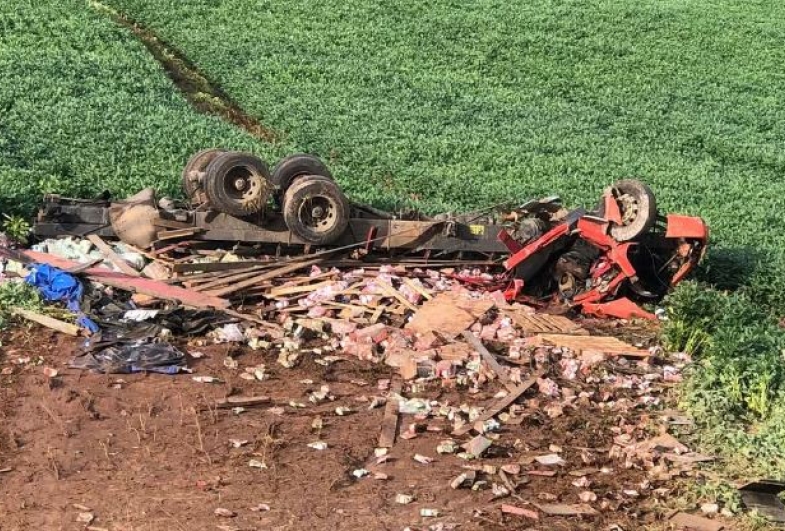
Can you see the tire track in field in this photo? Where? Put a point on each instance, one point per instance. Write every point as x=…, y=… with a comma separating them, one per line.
x=202, y=93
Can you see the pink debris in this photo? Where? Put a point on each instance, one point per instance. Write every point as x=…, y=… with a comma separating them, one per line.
x=410, y=294
x=548, y=387
x=590, y=358
x=569, y=368
x=427, y=341
x=317, y=311
x=342, y=327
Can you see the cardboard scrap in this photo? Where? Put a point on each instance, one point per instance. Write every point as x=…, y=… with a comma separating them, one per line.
x=449, y=314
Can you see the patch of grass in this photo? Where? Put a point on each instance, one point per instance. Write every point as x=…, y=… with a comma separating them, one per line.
x=450, y=105
x=736, y=389
x=85, y=108
x=17, y=294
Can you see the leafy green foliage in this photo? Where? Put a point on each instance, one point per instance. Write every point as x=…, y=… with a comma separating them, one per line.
x=736, y=390
x=85, y=108
x=17, y=228
x=17, y=294
x=451, y=105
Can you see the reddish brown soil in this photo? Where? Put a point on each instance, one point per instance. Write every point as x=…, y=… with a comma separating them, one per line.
x=146, y=455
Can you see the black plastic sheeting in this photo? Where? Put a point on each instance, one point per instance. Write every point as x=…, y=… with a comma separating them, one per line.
x=129, y=355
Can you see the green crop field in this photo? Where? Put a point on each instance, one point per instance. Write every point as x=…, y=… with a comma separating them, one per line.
x=458, y=104
x=448, y=105
x=84, y=107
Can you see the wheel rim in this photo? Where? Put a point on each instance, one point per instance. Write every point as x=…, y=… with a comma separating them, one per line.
x=629, y=208
x=242, y=184
x=318, y=213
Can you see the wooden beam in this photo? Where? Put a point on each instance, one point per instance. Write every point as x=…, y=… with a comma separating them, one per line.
x=269, y=275
x=490, y=360
x=394, y=293
x=390, y=419
x=112, y=256
x=500, y=405
x=241, y=401
x=146, y=286
x=211, y=267
x=49, y=322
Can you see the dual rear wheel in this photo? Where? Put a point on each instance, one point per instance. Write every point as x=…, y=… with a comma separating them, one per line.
x=300, y=185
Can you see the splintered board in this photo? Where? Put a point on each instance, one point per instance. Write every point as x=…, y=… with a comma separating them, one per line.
x=538, y=323
x=610, y=345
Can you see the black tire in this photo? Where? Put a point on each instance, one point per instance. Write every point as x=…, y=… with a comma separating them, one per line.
x=638, y=209
x=237, y=183
x=293, y=166
x=303, y=197
x=197, y=163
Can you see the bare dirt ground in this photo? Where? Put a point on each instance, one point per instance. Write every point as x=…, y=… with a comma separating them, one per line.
x=144, y=452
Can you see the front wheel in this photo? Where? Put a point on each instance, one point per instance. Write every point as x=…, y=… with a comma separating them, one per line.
x=637, y=207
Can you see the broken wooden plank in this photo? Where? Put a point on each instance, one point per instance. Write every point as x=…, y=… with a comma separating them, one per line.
x=252, y=319
x=283, y=291
x=390, y=419
x=213, y=267
x=78, y=268
x=242, y=401
x=174, y=234
x=566, y=509
x=610, y=345
x=691, y=522
x=500, y=405
x=172, y=224
x=419, y=289
x=538, y=323
x=112, y=256
x=394, y=293
x=519, y=511
x=145, y=286
x=269, y=275
x=49, y=322
x=490, y=360
x=222, y=279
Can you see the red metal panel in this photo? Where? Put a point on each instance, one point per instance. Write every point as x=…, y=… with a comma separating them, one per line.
x=686, y=227
x=545, y=240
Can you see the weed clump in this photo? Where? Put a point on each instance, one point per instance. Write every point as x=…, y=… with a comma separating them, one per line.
x=736, y=388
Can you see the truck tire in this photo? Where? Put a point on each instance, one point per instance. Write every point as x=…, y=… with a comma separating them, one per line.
x=237, y=183
x=315, y=209
x=194, y=170
x=638, y=209
x=293, y=166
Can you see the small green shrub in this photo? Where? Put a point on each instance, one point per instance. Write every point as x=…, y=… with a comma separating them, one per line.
x=17, y=294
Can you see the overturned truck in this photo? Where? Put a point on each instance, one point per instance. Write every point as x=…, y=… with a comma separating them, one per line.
x=603, y=261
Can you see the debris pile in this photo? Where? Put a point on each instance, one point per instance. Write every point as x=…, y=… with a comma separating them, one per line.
x=466, y=366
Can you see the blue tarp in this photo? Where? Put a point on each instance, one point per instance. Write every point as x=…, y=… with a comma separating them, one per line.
x=57, y=285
